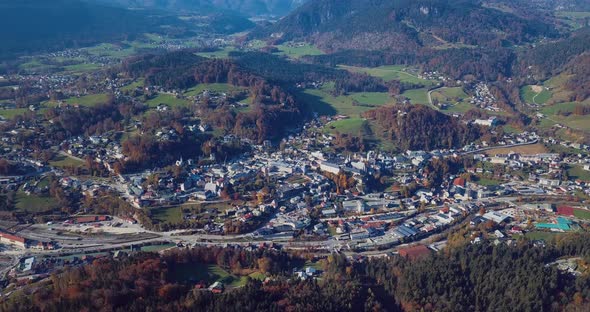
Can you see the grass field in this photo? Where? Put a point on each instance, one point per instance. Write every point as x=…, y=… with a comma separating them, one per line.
x=488, y=182
x=87, y=100
x=298, y=50
x=216, y=87
x=538, y=235
x=417, y=96
x=34, y=203
x=222, y=53
x=166, y=99
x=372, y=98
x=582, y=214
x=524, y=150
x=11, y=113
x=63, y=161
x=449, y=94
x=574, y=19
x=530, y=96
x=578, y=172
x=322, y=102
x=556, y=108
x=171, y=215
x=132, y=86
x=349, y=126
x=209, y=274
x=388, y=73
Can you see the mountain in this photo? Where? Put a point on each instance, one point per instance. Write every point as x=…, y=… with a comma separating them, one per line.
x=38, y=25
x=403, y=24
x=244, y=7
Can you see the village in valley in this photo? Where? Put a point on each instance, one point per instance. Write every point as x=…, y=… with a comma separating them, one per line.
x=72, y=202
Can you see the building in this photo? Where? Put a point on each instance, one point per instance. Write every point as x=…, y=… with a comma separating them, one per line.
x=354, y=205
x=490, y=122
x=329, y=167
x=496, y=216
x=415, y=252
x=13, y=240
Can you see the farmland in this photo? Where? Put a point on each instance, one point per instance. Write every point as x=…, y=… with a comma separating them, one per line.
x=524, y=150
x=166, y=99
x=297, y=50
x=388, y=73
x=535, y=94
x=322, y=102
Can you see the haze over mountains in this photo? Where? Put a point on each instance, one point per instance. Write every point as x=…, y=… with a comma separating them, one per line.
x=244, y=7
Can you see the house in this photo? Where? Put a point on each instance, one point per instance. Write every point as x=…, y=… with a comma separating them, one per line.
x=216, y=288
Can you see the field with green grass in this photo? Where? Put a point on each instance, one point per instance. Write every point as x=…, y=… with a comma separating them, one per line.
x=132, y=86
x=417, y=96
x=166, y=99
x=12, y=112
x=322, y=102
x=171, y=215
x=487, y=182
x=372, y=98
x=574, y=19
x=209, y=274
x=539, y=235
x=222, y=53
x=35, y=203
x=216, y=87
x=351, y=126
x=65, y=161
x=297, y=50
x=582, y=214
x=578, y=172
x=390, y=72
x=530, y=96
x=87, y=100
x=449, y=94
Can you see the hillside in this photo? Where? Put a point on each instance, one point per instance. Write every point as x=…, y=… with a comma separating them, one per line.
x=37, y=25
x=417, y=127
x=402, y=25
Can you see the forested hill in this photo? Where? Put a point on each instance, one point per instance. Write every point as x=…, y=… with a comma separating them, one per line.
x=473, y=277
x=28, y=26
x=403, y=24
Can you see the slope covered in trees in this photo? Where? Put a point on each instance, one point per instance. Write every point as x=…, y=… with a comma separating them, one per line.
x=403, y=25
x=417, y=127
x=28, y=26
x=480, y=277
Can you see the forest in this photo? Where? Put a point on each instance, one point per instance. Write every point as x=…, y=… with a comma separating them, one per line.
x=417, y=127
x=468, y=277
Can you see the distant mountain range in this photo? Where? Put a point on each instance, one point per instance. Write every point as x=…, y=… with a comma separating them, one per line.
x=403, y=25
x=39, y=25
x=245, y=7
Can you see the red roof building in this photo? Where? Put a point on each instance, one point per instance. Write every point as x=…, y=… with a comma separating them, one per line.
x=459, y=182
x=415, y=252
x=13, y=240
x=565, y=211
